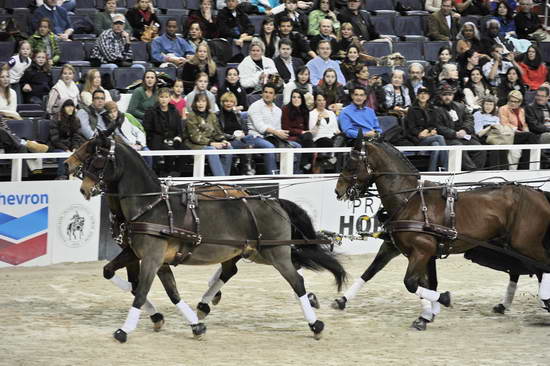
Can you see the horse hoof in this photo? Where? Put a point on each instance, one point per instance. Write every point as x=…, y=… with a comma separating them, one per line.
x=202, y=310
x=120, y=336
x=546, y=304
x=499, y=309
x=217, y=298
x=199, y=331
x=420, y=324
x=317, y=329
x=158, y=321
x=339, y=304
x=313, y=300
x=445, y=299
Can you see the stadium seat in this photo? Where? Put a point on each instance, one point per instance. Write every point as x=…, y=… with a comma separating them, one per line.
x=88, y=46
x=14, y=4
x=379, y=6
x=257, y=20
x=220, y=70
x=177, y=13
x=100, y=4
x=279, y=100
x=416, y=6
x=387, y=122
x=170, y=4
x=383, y=71
x=384, y=24
x=43, y=130
x=193, y=4
x=377, y=49
x=56, y=74
x=529, y=96
x=73, y=53
x=140, y=51
x=409, y=50
x=409, y=27
x=21, y=17
x=470, y=18
x=251, y=98
x=85, y=4
x=124, y=76
x=23, y=128
x=545, y=51
x=431, y=49
x=130, y=3
x=7, y=49
x=170, y=71
x=28, y=111
x=90, y=13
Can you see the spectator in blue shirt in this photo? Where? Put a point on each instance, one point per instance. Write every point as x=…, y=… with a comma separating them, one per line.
x=57, y=15
x=169, y=49
x=358, y=115
x=318, y=65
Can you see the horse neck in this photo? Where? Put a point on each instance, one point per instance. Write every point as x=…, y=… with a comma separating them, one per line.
x=136, y=177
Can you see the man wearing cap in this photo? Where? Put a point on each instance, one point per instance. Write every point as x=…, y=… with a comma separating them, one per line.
x=112, y=47
x=456, y=124
x=358, y=116
x=169, y=49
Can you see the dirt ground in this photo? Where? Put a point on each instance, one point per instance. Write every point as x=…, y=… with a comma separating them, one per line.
x=65, y=315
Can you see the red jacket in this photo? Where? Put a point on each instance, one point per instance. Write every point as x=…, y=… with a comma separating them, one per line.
x=295, y=126
x=533, y=78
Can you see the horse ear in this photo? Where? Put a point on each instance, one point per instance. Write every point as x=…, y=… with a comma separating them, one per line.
x=358, y=143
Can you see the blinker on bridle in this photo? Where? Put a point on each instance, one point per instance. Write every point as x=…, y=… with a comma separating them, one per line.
x=98, y=161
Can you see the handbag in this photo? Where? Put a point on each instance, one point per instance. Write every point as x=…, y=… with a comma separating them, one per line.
x=499, y=134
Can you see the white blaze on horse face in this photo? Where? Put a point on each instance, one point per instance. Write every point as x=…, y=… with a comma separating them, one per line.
x=131, y=320
x=309, y=314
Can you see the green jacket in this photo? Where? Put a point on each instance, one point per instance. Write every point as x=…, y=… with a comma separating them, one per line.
x=199, y=133
x=37, y=43
x=139, y=102
x=315, y=18
x=103, y=21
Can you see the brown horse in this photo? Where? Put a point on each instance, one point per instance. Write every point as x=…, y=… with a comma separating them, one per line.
x=514, y=216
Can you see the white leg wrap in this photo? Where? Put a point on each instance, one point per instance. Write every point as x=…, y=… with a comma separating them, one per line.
x=309, y=314
x=212, y=291
x=131, y=320
x=354, y=289
x=424, y=293
x=301, y=272
x=215, y=276
x=121, y=284
x=544, y=290
x=188, y=313
x=149, y=307
x=509, y=295
x=426, y=309
x=436, y=308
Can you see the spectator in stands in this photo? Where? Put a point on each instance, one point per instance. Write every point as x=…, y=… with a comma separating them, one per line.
x=297, y=17
x=372, y=86
x=295, y=120
x=270, y=38
x=455, y=123
x=169, y=49
x=37, y=79
x=140, y=16
x=8, y=96
x=319, y=64
x=194, y=35
x=58, y=17
x=397, y=101
x=417, y=79
x=486, y=116
x=203, y=132
x=164, y=131
x=498, y=66
x=333, y=92
x=177, y=98
x=206, y=18
x=144, y=96
x=264, y=120
x=232, y=84
x=234, y=24
x=511, y=81
x=128, y=129
x=449, y=75
x=269, y=8
x=326, y=34
x=201, y=87
x=255, y=68
x=361, y=21
x=64, y=135
x=475, y=89
x=323, y=10
x=444, y=55
x=528, y=24
x=92, y=117
x=234, y=125
x=468, y=61
x=302, y=83
x=104, y=19
x=533, y=70
x=350, y=62
x=472, y=7
x=505, y=16
x=358, y=115
x=64, y=89
x=18, y=64
x=112, y=47
x=286, y=64
x=537, y=115
x=201, y=61
x=11, y=143
x=443, y=24
x=468, y=38
x=493, y=38
x=300, y=45
x=323, y=127
x=432, y=5
x=44, y=39
x=93, y=83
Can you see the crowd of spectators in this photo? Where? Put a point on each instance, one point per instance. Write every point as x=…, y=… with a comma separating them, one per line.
x=303, y=80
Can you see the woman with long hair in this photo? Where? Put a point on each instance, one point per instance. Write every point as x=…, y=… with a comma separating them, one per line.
x=144, y=96
x=232, y=84
x=504, y=14
x=91, y=84
x=475, y=89
x=449, y=75
x=444, y=56
x=8, y=96
x=323, y=126
x=333, y=92
x=295, y=120
x=468, y=61
x=178, y=99
x=533, y=70
x=201, y=61
x=468, y=38
x=64, y=89
x=141, y=15
x=194, y=34
x=269, y=37
x=206, y=18
x=302, y=83
x=372, y=85
x=323, y=10
x=37, y=79
x=350, y=62
x=511, y=81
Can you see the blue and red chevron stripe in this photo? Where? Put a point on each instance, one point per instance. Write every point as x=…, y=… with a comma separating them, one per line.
x=23, y=238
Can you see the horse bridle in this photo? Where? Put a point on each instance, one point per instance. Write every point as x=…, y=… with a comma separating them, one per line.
x=98, y=161
x=358, y=190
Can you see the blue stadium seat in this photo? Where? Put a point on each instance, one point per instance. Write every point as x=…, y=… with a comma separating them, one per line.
x=431, y=49
x=387, y=122
x=377, y=49
x=23, y=128
x=124, y=76
x=411, y=25
x=88, y=46
x=28, y=111
x=170, y=4
x=279, y=100
x=251, y=98
x=470, y=18
x=100, y=4
x=43, y=130
x=14, y=4
x=72, y=52
x=56, y=73
x=21, y=17
x=545, y=51
x=257, y=20
x=410, y=50
x=140, y=51
x=90, y=13
x=384, y=24
x=177, y=13
x=193, y=4
x=379, y=6
x=220, y=70
x=85, y=4
x=7, y=49
x=416, y=6
x=170, y=71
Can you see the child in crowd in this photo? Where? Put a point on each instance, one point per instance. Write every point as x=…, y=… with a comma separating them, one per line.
x=18, y=64
x=37, y=79
x=64, y=89
x=44, y=39
x=177, y=98
x=201, y=86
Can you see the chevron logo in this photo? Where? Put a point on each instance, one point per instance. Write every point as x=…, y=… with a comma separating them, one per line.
x=23, y=238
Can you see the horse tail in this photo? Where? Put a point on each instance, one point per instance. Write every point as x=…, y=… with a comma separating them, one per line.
x=312, y=257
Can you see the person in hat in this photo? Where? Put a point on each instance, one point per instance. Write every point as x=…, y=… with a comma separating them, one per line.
x=103, y=19
x=454, y=122
x=421, y=129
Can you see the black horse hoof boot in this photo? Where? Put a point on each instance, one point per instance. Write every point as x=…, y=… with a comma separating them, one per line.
x=120, y=336
x=313, y=300
x=317, y=329
x=499, y=309
x=217, y=298
x=202, y=310
x=199, y=331
x=339, y=304
x=445, y=299
x=546, y=304
x=158, y=321
x=420, y=324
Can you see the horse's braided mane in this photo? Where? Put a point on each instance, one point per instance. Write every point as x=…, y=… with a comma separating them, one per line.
x=389, y=148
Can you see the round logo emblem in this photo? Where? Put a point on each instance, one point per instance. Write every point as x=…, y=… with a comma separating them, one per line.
x=75, y=226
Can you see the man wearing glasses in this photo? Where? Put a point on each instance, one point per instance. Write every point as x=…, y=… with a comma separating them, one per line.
x=91, y=118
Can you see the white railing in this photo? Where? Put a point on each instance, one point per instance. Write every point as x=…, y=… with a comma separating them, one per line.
x=287, y=156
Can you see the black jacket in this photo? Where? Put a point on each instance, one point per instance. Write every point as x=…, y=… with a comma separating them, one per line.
x=283, y=70
x=445, y=125
x=64, y=135
x=534, y=117
x=526, y=24
x=138, y=23
x=346, y=16
x=239, y=92
x=227, y=23
x=189, y=73
x=158, y=128
x=300, y=45
x=299, y=25
x=426, y=83
x=227, y=129
x=419, y=119
x=40, y=81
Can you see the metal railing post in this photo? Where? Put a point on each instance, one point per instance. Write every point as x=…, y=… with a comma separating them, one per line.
x=534, y=157
x=198, y=165
x=16, y=170
x=287, y=163
x=455, y=160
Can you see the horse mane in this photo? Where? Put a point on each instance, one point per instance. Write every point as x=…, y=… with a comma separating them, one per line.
x=392, y=150
x=150, y=172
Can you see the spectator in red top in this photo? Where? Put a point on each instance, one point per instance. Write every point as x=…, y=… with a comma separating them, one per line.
x=533, y=70
x=295, y=119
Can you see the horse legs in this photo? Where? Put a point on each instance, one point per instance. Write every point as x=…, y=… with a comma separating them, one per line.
x=128, y=259
x=385, y=254
x=544, y=290
x=221, y=276
x=429, y=308
x=508, y=295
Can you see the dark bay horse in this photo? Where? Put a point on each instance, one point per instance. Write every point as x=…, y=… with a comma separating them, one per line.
x=122, y=172
x=512, y=215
